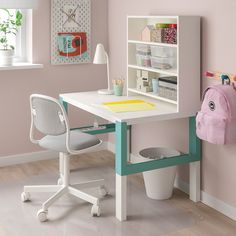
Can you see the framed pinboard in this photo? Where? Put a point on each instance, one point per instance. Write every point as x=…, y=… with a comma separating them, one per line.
x=70, y=32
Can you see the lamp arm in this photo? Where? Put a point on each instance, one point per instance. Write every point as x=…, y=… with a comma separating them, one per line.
x=108, y=72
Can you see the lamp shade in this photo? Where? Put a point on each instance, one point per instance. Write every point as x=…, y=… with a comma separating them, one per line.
x=100, y=56
x=19, y=4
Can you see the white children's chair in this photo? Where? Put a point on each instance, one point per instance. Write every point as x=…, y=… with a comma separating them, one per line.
x=49, y=117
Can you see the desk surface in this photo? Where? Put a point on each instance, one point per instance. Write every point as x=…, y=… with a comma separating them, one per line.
x=92, y=103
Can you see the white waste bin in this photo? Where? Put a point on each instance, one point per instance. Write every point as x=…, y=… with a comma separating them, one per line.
x=159, y=183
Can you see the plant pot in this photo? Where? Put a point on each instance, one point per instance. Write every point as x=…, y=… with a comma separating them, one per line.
x=6, y=57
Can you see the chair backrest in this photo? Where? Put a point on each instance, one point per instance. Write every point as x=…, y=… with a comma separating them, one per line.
x=48, y=115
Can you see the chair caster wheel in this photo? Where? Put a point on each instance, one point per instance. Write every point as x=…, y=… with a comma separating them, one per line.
x=25, y=196
x=42, y=215
x=103, y=191
x=59, y=181
x=95, y=211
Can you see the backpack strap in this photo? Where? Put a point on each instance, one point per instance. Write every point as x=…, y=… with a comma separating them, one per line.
x=205, y=91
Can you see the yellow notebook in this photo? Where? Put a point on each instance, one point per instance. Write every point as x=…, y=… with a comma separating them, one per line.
x=129, y=105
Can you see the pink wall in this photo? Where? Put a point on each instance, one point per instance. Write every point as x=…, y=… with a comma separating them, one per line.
x=16, y=86
x=218, y=53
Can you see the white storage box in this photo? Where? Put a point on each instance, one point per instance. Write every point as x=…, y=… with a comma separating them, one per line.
x=143, y=49
x=157, y=51
x=142, y=60
x=162, y=62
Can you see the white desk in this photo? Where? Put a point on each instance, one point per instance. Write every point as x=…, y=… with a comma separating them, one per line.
x=92, y=103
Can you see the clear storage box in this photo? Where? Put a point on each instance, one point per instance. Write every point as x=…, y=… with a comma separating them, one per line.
x=162, y=62
x=142, y=60
x=143, y=49
x=157, y=51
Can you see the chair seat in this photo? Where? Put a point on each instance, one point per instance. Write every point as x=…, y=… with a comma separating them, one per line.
x=78, y=141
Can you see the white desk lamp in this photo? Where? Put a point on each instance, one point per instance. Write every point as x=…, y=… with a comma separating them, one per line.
x=101, y=57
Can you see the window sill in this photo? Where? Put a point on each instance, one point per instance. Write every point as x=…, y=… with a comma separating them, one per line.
x=22, y=66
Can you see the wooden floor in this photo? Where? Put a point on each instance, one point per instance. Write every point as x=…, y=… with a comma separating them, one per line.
x=208, y=221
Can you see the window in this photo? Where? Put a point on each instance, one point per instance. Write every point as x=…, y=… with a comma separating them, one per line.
x=23, y=40
x=19, y=40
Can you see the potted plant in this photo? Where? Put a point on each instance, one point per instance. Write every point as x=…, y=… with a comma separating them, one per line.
x=9, y=26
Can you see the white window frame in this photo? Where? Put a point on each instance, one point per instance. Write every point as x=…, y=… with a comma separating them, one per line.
x=23, y=53
x=24, y=44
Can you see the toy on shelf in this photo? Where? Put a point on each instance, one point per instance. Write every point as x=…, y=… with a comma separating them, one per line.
x=144, y=80
x=160, y=33
x=170, y=34
x=146, y=34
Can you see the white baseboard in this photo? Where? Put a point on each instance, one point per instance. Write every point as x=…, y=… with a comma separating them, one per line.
x=181, y=185
x=209, y=200
x=27, y=157
x=35, y=156
x=218, y=205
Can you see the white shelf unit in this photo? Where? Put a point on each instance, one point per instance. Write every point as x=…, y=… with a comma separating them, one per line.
x=186, y=55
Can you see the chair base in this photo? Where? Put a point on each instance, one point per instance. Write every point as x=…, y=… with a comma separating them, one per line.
x=63, y=188
x=60, y=190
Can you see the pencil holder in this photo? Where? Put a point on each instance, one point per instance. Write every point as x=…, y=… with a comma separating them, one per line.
x=118, y=89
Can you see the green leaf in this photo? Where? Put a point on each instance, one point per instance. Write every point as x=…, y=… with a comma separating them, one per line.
x=12, y=47
x=18, y=23
x=19, y=17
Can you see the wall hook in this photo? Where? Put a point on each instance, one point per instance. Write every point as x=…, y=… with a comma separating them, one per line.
x=225, y=78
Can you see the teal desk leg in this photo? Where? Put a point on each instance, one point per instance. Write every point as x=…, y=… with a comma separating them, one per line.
x=194, y=167
x=121, y=178
x=65, y=104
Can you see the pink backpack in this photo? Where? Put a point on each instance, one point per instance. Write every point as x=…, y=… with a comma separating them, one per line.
x=216, y=122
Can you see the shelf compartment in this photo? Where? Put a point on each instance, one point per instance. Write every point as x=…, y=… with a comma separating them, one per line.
x=152, y=95
x=136, y=25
